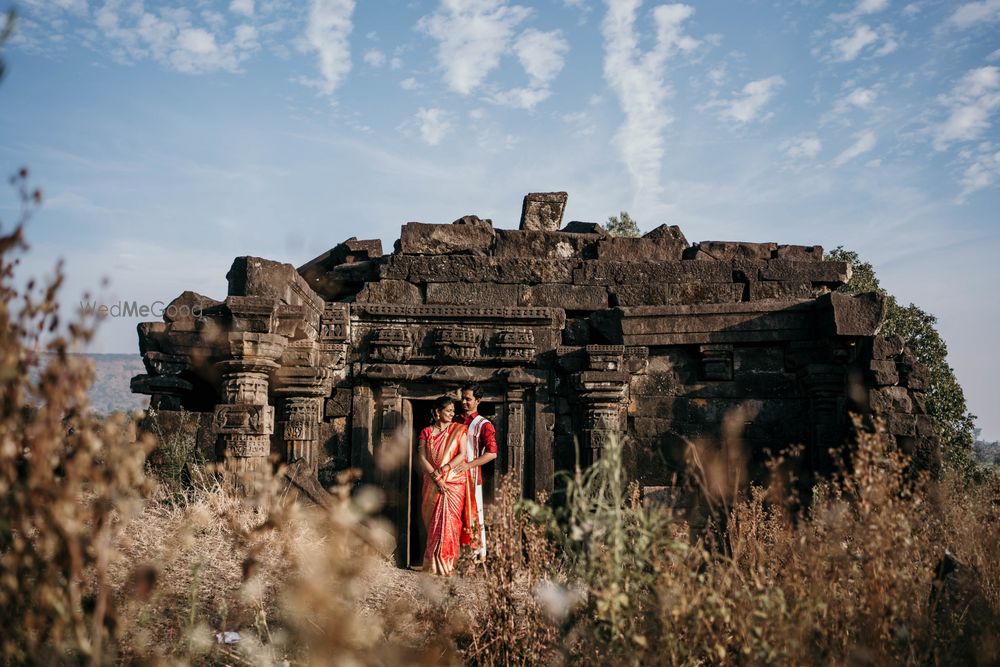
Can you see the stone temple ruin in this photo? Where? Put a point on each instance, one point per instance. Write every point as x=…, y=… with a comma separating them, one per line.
x=571, y=333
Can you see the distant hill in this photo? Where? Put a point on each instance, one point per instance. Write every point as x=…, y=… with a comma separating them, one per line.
x=110, y=391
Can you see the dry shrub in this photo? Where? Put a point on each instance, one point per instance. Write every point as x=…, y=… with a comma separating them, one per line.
x=847, y=580
x=66, y=478
x=520, y=606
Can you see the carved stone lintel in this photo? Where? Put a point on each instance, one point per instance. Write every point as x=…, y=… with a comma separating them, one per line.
x=457, y=344
x=392, y=344
x=516, y=346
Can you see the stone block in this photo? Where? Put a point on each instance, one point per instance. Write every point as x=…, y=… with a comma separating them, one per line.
x=468, y=236
x=853, y=315
x=532, y=244
x=799, y=253
x=884, y=347
x=657, y=249
x=724, y=251
x=666, y=232
x=577, y=227
x=475, y=294
x=188, y=306
x=758, y=360
x=439, y=269
x=568, y=297
x=919, y=402
x=684, y=294
x=914, y=375
x=533, y=271
x=779, y=290
x=901, y=423
x=338, y=405
x=624, y=273
x=830, y=273
x=883, y=373
x=890, y=399
x=543, y=211
x=389, y=291
x=253, y=276
x=925, y=427
x=680, y=294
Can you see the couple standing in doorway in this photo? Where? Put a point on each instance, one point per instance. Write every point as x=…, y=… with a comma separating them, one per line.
x=451, y=452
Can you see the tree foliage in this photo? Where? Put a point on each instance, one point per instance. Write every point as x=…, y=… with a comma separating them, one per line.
x=945, y=398
x=622, y=225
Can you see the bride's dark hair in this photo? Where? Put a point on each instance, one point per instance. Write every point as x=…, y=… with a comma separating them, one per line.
x=440, y=403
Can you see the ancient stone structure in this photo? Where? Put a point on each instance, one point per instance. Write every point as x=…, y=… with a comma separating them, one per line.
x=573, y=334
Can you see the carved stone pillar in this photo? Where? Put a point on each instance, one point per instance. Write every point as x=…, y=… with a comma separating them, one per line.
x=514, y=412
x=602, y=392
x=244, y=421
x=391, y=404
x=301, y=390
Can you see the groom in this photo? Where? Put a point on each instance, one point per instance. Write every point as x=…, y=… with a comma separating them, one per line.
x=482, y=450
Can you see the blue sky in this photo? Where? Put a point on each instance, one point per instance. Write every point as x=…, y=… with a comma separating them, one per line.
x=170, y=137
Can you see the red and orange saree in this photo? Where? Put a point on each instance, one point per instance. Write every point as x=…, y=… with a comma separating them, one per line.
x=451, y=517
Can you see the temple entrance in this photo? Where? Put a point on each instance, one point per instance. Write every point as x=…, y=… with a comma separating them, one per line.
x=414, y=536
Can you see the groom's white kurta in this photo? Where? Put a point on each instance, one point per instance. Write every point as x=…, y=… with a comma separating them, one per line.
x=472, y=453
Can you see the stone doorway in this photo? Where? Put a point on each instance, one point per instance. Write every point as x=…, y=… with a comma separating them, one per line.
x=412, y=534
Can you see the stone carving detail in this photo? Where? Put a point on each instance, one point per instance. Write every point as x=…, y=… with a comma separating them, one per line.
x=243, y=446
x=515, y=436
x=605, y=357
x=335, y=323
x=243, y=419
x=518, y=346
x=455, y=344
x=716, y=362
x=392, y=344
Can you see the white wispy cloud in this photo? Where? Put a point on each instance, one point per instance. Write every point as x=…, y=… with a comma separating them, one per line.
x=862, y=8
x=542, y=55
x=850, y=47
x=472, y=36
x=433, y=124
x=863, y=143
x=970, y=104
x=409, y=84
x=858, y=98
x=748, y=105
x=802, y=147
x=975, y=13
x=983, y=170
x=171, y=37
x=637, y=79
x=242, y=7
x=327, y=33
x=374, y=57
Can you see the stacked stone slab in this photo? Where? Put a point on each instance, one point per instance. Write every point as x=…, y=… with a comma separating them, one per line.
x=573, y=334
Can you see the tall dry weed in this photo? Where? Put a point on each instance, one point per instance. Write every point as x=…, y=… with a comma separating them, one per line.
x=66, y=479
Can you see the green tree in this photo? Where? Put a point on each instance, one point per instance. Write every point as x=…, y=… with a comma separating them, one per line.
x=945, y=398
x=622, y=225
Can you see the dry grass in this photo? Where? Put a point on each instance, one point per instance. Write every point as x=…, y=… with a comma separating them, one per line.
x=101, y=564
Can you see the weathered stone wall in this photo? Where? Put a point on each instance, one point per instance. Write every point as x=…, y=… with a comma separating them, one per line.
x=573, y=334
